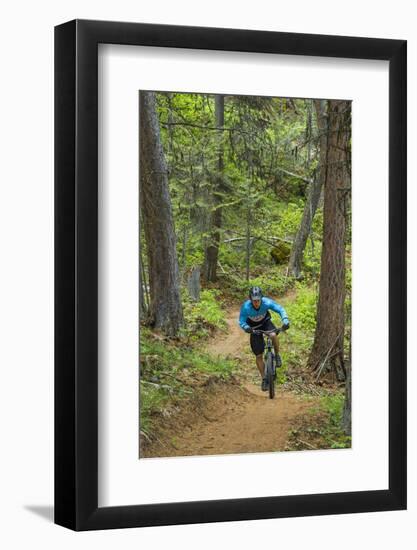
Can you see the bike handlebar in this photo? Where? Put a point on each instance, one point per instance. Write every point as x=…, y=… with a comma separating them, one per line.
x=275, y=331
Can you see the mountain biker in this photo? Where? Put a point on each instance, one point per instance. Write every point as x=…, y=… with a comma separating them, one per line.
x=254, y=314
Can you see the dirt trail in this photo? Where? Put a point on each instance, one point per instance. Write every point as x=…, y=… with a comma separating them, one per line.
x=236, y=418
x=244, y=423
x=230, y=343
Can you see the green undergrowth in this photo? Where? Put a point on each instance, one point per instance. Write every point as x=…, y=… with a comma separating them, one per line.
x=332, y=432
x=171, y=371
x=272, y=280
x=301, y=311
x=322, y=430
x=203, y=317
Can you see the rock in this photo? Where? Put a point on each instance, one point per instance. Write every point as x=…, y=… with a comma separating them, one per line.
x=281, y=253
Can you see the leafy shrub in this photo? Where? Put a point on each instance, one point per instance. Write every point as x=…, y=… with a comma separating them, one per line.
x=273, y=282
x=205, y=315
x=302, y=314
x=324, y=431
x=152, y=400
x=303, y=309
x=333, y=404
x=289, y=218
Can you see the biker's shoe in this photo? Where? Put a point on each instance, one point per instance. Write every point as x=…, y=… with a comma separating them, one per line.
x=278, y=361
x=265, y=384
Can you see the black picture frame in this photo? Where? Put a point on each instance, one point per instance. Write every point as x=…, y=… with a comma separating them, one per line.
x=76, y=272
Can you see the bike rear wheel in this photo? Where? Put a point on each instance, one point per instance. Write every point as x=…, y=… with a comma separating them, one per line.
x=270, y=376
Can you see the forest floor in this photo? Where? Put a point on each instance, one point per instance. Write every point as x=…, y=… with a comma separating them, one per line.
x=235, y=416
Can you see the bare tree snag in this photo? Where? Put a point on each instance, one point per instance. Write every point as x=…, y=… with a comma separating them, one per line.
x=315, y=187
x=212, y=249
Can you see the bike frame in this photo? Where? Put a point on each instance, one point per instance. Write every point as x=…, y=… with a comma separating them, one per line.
x=268, y=334
x=268, y=350
x=269, y=365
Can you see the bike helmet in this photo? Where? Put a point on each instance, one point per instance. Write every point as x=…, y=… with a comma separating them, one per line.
x=255, y=293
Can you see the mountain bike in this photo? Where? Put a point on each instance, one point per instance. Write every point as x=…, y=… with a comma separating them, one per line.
x=269, y=359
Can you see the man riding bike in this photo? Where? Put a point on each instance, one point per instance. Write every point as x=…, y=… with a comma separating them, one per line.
x=254, y=315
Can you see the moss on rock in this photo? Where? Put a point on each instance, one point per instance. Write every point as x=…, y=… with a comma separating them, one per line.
x=281, y=253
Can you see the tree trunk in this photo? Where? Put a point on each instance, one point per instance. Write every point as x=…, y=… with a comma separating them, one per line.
x=299, y=244
x=143, y=289
x=347, y=408
x=212, y=250
x=329, y=335
x=142, y=306
x=165, y=310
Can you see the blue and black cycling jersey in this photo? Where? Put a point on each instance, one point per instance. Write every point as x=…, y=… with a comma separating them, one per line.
x=250, y=317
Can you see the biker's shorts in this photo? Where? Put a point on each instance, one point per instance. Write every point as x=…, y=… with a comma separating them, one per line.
x=257, y=340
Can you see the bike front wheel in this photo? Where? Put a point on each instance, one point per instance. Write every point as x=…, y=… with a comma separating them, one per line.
x=270, y=376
